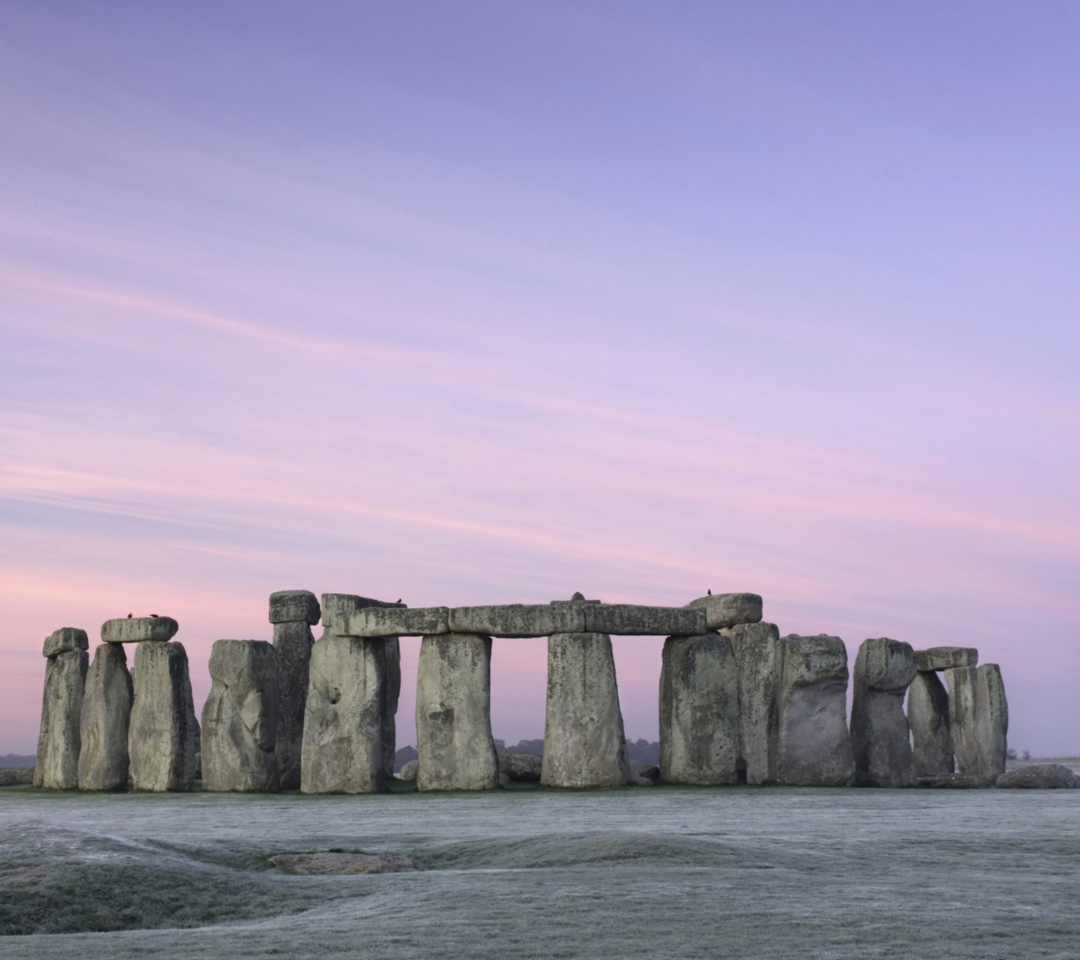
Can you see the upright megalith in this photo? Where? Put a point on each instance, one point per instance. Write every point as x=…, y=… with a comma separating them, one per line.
x=880, y=736
x=813, y=747
x=391, y=652
x=991, y=721
x=240, y=718
x=699, y=711
x=453, y=714
x=758, y=657
x=106, y=712
x=584, y=742
x=293, y=613
x=162, y=734
x=931, y=734
x=963, y=693
x=344, y=723
x=66, y=656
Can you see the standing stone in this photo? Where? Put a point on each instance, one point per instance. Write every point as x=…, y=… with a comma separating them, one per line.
x=57, y=765
x=453, y=714
x=813, y=746
x=699, y=711
x=992, y=721
x=963, y=692
x=928, y=717
x=344, y=725
x=880, y=736
x=240, y=718
x=106, y=710
x=162, y=732
x=292, y=612
x=392, y=668
x=584, y=742
x=757, y=650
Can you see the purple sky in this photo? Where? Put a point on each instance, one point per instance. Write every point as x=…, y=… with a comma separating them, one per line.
x=488, y=302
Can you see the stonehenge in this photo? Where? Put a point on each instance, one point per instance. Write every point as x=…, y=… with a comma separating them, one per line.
x=738, y=703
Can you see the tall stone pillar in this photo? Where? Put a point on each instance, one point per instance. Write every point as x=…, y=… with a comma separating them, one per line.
x=992, y=721
x=963, y=693
x=344, y=723
x=880, y=736
x=758, y=655
x=293, y=613
x=699, y=711
x=813, y=745
x=453, y=714
x=392, y=658
x=928, y=717
x=106, y=712
x=240, y=718
x=584, y=741
x=66, y=656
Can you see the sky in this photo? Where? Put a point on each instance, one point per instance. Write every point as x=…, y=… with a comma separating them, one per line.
x=489, y=303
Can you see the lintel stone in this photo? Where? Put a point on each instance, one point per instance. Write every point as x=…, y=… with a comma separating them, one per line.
x=294, y=606
x=945, y=658
x=341, y=604
x=138, y=629
x=630, y=620
x=392, y=622
x=729, y=609
x=518, y=620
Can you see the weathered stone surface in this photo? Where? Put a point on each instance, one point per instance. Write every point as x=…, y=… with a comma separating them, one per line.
x=453, y=714
x=344, y=723
x=65, y=640
x=644, y=774
x=163, y=731
x=391, y=652
x=991, y=721
x=928, y=717
x=699, y=711
x=880, y=737
x=392, y=622
x=758, y=654
x=240, y=718
x=518, y=619
x=584, y=742
x=106, y=711
x=292, y=649
x=963, y=691
x=729, y=609
x=945, y=658
x=337, y=863
x=16, y=776
x=342, y=604
x=813, y=745
x=294, y=606
x=1039, y=776
x=521, y=767
x=61, y=707
x=139, y=629
x=630, y=620
x=408, y=772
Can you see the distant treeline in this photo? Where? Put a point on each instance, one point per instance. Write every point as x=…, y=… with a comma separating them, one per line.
x=16, y=760
x=638, y=750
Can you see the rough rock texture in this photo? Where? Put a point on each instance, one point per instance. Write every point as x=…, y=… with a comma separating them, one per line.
x=162, y=734
x=240, y=717
x=65, y=640
x=521, y=767
x=408, y=772
x=343, y=604
x=699, y=711
x=813, y=747
x=1040, y=776
x=16, y=776
x=963, y=691
x=991, y=721
x=292, y=647
x=945, y=658
x=391, y=652
x=928, y=717
x=344, y=723
x=729, y=609
x=391, y=622
x=629, y=620
x=453, y=714
x=139, y=630
x=103, y=729
x=880, y=737
x=584, y=742
x=758, y=651
x=518, y=620
x=294, y=606
x=61, y=708
x=338, y=863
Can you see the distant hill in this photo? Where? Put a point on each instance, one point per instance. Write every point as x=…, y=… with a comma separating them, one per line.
x=14, y=760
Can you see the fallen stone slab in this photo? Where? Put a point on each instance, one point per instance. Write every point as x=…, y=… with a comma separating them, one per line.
x=61, y=710
x=240, y=717
x=630, y=620
x=813, y=745
x=1039, y=776
x=521, y=767
x=729, y=609
x=163, y=729
x=104, y=721
x=294, y=606
x=340, y=864
x=945, y=658
x=392, y=622
x=65, y=640
x=16, y=776
x=963, y=692
x=991, y=721
x=758, y=655
x=518, y=619
x=293, y=641
x=139, y=630
x=699, y=711
x=584, y=740
x=453, y=714
x=880, y=736
x=931, y=735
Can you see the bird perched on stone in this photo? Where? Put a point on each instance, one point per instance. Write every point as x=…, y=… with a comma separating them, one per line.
x=129, y=616
x=154, y=615
x=398, y=600
x=708, y=593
